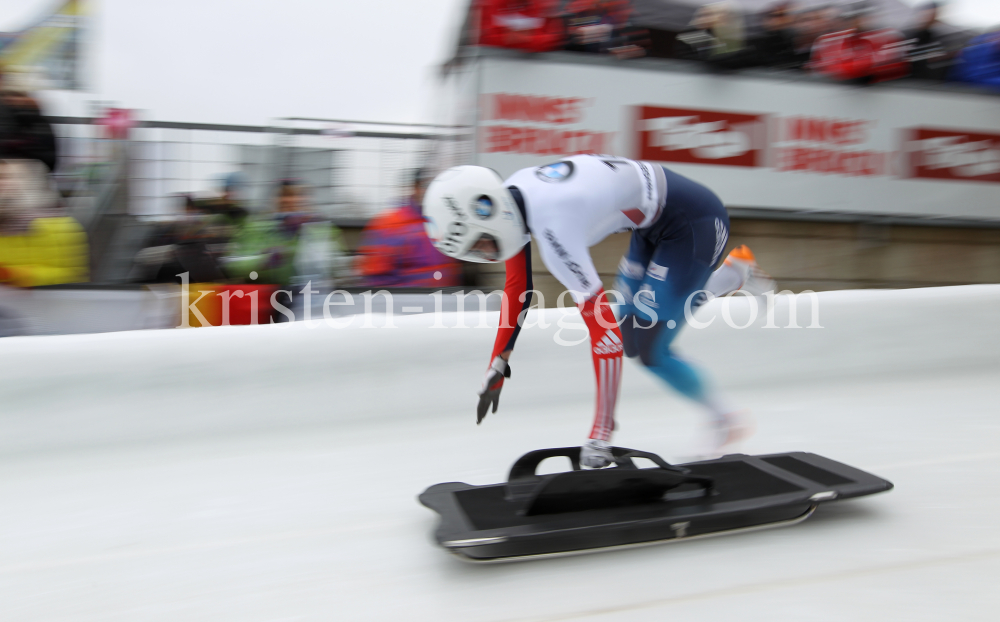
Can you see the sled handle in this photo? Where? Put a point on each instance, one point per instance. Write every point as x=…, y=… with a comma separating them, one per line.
x=527, y=464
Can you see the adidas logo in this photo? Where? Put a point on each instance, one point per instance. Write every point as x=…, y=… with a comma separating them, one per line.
x=609, y=344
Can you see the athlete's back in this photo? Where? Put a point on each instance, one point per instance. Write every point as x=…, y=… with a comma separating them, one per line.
x=577, y=202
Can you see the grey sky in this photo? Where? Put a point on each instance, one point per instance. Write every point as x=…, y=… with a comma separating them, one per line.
x=249, y=61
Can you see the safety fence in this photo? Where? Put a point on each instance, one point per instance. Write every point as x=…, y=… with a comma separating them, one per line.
x=351, y=169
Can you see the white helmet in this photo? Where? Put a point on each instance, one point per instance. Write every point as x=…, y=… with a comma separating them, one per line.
x=470, y=215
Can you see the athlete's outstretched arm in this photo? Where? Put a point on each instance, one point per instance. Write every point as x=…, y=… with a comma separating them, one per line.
x=517, y=290
x=516, y=300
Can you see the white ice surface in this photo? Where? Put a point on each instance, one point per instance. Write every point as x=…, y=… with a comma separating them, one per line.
x=271, y=473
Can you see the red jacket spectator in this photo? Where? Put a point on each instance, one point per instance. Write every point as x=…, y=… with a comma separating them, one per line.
x=873, y=56
x=529, y=25
x=396, y=252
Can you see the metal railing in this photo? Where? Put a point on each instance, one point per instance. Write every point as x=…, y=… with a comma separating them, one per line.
x=351, y=169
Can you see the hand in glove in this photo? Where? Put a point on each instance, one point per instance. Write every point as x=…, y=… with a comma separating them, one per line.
x=490, y=391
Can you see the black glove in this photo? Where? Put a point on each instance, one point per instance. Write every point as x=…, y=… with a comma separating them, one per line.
x=490, y=391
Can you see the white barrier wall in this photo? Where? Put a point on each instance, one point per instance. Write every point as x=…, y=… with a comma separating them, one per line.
x=340, y=371
x=26, y=312
x=759, y=142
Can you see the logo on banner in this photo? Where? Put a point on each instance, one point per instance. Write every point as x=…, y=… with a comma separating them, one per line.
x=950, y=154
x=700, y=136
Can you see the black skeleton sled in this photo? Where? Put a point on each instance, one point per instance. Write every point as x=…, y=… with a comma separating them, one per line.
x=625, y=506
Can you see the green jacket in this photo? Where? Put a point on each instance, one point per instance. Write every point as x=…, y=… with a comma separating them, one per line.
x=281, y=247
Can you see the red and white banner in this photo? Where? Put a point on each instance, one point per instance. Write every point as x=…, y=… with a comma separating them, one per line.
x=955, y=155
x=758, y=142
x=700, y=136
x=537, y=125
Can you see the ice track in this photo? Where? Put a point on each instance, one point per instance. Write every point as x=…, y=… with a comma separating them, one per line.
x=271, y=473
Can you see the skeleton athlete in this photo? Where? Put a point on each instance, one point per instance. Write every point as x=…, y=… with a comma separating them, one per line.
x=679, y=231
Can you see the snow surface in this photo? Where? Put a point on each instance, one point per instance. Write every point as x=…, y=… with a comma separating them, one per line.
x=271, y=472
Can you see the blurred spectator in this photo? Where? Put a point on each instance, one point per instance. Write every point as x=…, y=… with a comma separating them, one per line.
x=589, y=26
x=979, y=62
x=396, y=252
x=860, y=54
x=933, y=44
x=37, y=245
x=227, y=203
x=602, y=26
x=810, y=24
x=291, y=198
x=716, y=30
x=24, y=133
x=725, y=21
x=184, y=245
x=775, y=45
x=314, y=242
x=293, y=244
x=208, y=228
x=528, y=25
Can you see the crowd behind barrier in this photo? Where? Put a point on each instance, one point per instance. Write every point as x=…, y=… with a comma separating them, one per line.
x=220, y=240
x=843, y=41
x=592, y=26
x=219, y=245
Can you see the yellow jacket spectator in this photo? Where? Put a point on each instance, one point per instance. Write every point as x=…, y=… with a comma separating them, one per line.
x=52, y=251
x=37, y=245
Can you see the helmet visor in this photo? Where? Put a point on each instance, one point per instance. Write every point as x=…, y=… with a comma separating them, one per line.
x=485, y=248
